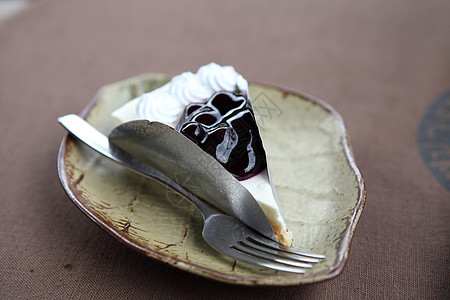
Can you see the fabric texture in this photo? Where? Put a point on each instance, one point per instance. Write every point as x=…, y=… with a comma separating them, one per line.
x=380, y=64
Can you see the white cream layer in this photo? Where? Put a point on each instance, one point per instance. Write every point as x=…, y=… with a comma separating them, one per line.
x=261, y=188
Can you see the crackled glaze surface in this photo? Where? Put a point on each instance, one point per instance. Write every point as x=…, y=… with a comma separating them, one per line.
x=320, y=189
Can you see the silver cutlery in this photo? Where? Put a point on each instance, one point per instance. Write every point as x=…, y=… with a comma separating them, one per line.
x=252, y=242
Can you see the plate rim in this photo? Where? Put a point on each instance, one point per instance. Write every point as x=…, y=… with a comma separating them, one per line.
x=269, y=280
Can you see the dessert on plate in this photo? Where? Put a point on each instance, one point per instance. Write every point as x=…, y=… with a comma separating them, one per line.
x=213, y=109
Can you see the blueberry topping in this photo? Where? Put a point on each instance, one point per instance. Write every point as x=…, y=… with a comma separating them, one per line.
x=225, y=127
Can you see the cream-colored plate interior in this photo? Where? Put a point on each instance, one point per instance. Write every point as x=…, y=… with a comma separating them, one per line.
x=320, y=189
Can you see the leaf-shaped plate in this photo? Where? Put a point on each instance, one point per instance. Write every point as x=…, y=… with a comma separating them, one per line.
x=321, y=191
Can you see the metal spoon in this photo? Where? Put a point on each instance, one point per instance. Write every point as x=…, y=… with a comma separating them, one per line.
x=156, y=150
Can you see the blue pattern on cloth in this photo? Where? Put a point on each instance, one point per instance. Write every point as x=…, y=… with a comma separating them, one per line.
x=434, y=139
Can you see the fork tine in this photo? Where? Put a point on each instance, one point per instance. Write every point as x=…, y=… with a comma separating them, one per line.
x=263, y=241
x=240, y=253
x=269, y=256
x=282, y=254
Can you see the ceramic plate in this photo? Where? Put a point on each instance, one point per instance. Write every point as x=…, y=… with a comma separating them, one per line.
x=321, y=191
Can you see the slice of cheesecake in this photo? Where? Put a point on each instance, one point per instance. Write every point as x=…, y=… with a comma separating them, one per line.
x=212, y=108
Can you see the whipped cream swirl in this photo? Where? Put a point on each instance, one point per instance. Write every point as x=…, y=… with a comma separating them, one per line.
x=158, y=107
x=188, y=89
x=219, y=78
x=166, y=103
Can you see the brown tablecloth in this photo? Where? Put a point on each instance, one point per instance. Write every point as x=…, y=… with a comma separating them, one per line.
x=381, y=64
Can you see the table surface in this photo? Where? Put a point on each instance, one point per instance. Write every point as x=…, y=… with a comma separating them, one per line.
x=384, y=65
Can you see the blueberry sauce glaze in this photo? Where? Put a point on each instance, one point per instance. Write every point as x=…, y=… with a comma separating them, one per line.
x=225, y=127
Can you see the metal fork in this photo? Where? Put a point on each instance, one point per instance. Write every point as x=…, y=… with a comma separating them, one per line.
x=224, y=233
x=232, y=237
